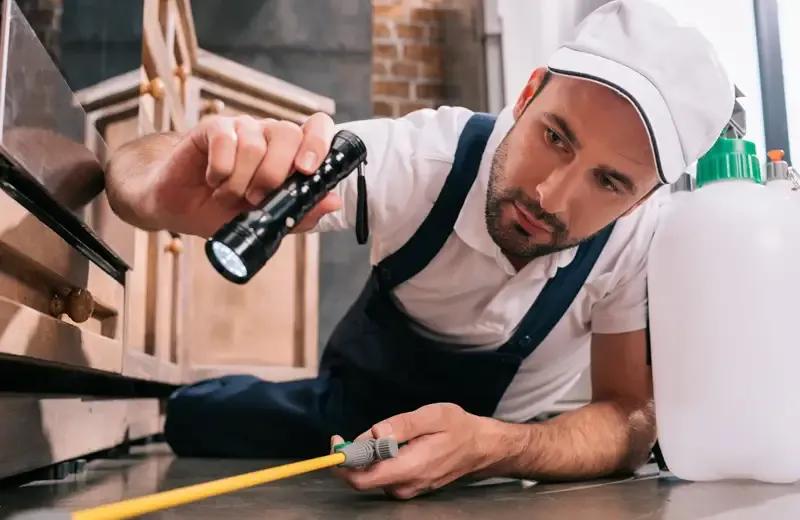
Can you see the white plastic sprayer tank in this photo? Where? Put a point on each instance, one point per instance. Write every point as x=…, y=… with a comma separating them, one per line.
x=723, y=324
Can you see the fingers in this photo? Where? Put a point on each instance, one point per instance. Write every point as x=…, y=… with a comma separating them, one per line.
x=343, y=473
x=250, y=149
x=404, y=427
x=218, y=140
x=421, y=464
x=248, y=158
x=318, y=131
x=336, y=439
x=409, y=463
x=282, y=141
x=413, y=472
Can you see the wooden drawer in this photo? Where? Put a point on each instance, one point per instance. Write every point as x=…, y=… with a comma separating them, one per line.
x=37, y=270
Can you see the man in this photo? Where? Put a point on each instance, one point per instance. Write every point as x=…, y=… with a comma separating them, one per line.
x=510, y=254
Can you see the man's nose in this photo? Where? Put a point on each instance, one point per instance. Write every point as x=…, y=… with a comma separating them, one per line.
x=558, y=189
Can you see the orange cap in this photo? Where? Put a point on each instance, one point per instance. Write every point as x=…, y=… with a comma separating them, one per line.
x=775, y=155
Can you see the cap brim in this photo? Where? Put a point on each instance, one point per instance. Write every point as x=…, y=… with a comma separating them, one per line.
x=651, y=106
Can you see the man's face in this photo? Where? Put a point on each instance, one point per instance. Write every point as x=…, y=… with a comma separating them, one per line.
x=577, y=158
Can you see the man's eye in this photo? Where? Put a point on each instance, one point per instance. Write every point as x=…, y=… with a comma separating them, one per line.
x=553, y=138
x=606, y=183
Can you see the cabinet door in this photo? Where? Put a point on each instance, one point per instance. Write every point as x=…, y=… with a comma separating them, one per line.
x=122, y=111
x=267, y=327
x=152, y=339
x=164, y=285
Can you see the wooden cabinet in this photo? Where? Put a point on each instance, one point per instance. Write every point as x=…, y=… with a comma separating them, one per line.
x=63, y=252
x=66, y=265
x=185, y=321
x=164, y=314
x=83, y=290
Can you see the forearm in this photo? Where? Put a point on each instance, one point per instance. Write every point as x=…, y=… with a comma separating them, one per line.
x=597, y=440
x=130, y=173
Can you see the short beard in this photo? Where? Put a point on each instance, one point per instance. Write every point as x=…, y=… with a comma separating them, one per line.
x=512, y=241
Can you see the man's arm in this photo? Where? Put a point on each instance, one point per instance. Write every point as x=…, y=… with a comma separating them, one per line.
x=195, y=183
x=610, y=436
x=616, y=431
x=614, y=434
x=222, y=166
x=130, y=175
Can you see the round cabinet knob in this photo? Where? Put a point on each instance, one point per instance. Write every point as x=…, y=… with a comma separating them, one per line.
x=182, y=71
x=78, y=304
x=154, y=87
x=215, y=106
x=175, y=246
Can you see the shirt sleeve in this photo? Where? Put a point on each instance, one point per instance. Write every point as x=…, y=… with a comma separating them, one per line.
x=624, y=308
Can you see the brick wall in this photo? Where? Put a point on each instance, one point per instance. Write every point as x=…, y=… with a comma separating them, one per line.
x=411, y=55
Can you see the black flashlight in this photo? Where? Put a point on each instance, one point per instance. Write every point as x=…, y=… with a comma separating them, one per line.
x=240, y=248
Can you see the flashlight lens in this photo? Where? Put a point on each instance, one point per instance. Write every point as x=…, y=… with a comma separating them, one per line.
x=228, y=259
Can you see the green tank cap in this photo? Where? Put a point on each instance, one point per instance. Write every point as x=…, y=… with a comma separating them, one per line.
x=729, y=159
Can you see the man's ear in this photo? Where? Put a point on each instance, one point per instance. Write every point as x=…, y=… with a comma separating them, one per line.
x=529, y=90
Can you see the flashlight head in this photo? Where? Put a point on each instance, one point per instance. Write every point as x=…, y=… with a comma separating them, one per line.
x=240, y=249
x=242, y=246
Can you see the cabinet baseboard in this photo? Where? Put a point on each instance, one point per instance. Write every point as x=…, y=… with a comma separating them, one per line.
x=38, y=431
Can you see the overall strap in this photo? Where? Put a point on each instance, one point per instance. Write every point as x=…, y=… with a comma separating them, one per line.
x=431, y=236
x=556, y=297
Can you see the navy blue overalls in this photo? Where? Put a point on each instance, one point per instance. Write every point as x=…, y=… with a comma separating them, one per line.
x=374, y=365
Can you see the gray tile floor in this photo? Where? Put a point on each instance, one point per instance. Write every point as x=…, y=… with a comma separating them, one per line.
x=321, y=495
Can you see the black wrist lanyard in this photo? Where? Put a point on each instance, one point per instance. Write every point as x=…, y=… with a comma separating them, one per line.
x=362, y=209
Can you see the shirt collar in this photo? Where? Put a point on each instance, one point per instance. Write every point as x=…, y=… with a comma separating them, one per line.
x=471, y=223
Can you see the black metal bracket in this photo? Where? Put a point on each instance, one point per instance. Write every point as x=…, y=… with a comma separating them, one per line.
x=770, y=64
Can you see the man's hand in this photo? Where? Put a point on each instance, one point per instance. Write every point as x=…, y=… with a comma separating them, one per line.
x=445, y=443
x=225, y=165
x=612, y=435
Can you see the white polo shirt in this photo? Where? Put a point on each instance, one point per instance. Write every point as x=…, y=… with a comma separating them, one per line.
x=470, y=294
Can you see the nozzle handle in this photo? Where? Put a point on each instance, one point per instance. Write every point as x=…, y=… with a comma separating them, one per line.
x=359, y=454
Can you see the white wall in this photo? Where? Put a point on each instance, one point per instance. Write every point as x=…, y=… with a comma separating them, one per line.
x=533, y=29
x=730, y=26
x=789, y=11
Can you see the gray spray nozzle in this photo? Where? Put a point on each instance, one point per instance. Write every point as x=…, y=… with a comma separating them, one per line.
x=779, y=171
x=359, y=454
x=684, y=183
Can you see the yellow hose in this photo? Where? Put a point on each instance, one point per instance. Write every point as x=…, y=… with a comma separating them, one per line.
x=166, y=499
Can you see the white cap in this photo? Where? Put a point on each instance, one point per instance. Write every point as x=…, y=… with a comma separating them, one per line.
x=670, y=72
